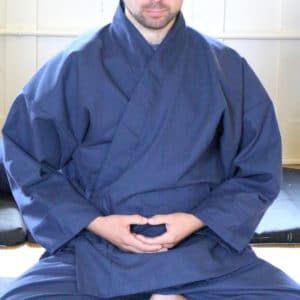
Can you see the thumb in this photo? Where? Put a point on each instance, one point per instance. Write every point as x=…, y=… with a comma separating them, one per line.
x=137, y=219
x=157, y=219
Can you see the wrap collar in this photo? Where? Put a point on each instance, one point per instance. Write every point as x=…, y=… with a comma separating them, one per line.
x=139, y=52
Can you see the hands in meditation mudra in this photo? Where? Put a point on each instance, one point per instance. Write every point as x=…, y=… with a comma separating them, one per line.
x=116, y=229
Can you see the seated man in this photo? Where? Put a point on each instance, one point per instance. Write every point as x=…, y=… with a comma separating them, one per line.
x=142, y=157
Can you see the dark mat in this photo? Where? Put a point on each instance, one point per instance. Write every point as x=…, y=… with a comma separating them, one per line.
x=12, y=228
x=281, y=223
x=4, y=185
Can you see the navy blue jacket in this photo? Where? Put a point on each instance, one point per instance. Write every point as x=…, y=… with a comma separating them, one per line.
x=111, y=126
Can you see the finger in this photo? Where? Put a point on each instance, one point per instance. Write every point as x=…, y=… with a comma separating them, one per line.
x=128, y=248
x=133, y=241
x=158, y=219
x=168, y=246
x=143, y=239
x=133, y=249
x=162, y=239
x=136, y=219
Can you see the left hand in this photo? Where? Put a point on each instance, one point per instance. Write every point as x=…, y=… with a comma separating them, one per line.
x=178, y=225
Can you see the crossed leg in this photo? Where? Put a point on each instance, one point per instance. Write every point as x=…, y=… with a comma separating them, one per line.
x=259, y=280
x=62, y=285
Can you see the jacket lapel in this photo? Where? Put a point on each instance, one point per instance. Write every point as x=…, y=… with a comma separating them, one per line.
x=149, y=80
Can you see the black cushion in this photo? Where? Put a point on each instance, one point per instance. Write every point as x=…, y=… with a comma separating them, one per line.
x=4, y=185
x=281, y=223
x=12, y=228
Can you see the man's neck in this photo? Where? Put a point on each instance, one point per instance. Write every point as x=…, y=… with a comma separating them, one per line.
x=153, y=37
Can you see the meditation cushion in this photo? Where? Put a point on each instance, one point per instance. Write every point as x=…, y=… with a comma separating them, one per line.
x=12, y=228
x=281, y=223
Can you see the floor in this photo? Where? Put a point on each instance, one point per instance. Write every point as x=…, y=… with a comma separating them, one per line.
x=285, y=258
x=15, y=260
x=13, y=264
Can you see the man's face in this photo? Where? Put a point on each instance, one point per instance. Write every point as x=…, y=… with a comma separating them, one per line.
x=153, y=14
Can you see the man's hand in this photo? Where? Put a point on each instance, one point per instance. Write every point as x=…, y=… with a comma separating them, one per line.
x=116, y=229
x=178, y=225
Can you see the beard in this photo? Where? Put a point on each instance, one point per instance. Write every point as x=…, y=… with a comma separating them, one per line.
x=155, y=21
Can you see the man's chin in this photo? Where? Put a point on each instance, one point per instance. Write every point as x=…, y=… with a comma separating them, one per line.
x=157, y=23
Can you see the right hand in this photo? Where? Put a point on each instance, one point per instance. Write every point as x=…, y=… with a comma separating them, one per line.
x=116, y=230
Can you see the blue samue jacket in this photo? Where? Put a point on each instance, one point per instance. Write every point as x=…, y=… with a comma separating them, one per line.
x=111, y=126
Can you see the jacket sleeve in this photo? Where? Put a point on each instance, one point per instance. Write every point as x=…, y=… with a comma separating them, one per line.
x=234, y=208
x=38, y=143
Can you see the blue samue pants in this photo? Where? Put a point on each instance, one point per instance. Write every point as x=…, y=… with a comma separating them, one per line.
x=53, y=277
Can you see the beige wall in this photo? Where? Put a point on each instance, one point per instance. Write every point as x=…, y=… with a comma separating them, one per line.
x=266, y=32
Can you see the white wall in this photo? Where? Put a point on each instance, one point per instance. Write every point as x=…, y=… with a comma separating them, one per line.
x=266, y=32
